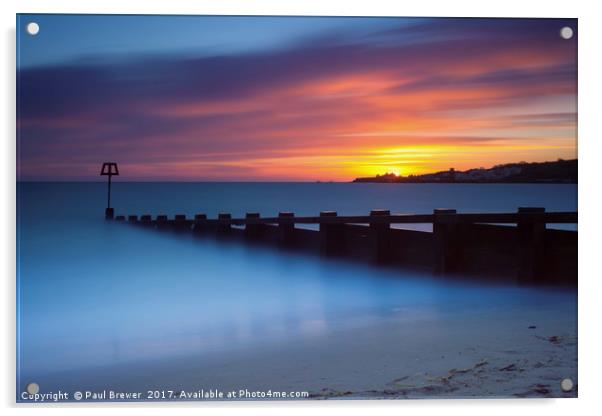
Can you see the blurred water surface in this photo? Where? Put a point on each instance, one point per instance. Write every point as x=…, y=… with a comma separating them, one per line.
x=93, y=293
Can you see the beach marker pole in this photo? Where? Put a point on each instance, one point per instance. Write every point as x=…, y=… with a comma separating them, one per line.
x=109, y=169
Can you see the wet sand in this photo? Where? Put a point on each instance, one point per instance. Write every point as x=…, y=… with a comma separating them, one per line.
x=498, y=353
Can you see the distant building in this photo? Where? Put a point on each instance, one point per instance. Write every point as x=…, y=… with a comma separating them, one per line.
x=561, y=171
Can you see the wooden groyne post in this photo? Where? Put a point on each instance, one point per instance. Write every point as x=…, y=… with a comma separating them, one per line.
x=224, y=222
x=200, y=224
x=380, y=229
x=332, y=235
x=445, y=233
x=472, y=243
x=531, y=231
x=181, y=223
x=286, y=228
x=162, y=221
x=253, y=228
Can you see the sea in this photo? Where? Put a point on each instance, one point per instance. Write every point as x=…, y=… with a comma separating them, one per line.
x=93, y=293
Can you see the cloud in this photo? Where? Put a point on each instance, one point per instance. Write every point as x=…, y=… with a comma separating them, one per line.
x=437, y=79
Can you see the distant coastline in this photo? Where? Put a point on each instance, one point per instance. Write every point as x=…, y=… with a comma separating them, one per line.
x=560, y=171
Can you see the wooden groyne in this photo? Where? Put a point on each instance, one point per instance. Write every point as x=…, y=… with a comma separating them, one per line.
x=482, y=245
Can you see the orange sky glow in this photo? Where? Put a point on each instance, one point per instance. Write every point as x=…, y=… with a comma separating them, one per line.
x=323, y=112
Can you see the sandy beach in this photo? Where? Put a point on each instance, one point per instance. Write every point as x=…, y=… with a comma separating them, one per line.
x=497, y=353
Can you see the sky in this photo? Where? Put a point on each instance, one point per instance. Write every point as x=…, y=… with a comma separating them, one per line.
x=227, y=98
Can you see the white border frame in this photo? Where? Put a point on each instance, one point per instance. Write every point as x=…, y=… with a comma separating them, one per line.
x=590, y=132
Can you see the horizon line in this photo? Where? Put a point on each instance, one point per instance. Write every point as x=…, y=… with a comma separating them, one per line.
x=282, y=181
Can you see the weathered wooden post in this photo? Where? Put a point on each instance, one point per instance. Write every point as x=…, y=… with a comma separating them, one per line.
x=531, y=244
x=133, y=218
x=109, y=169
x=120, y=218
x=286, y=228
x=224, y=222
x=253, y=228
x=199, y=224
x=161, y=221
x=380, y=234
x=180, y=223
x=445, y=236
x=332, y=236
x=146, y=220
